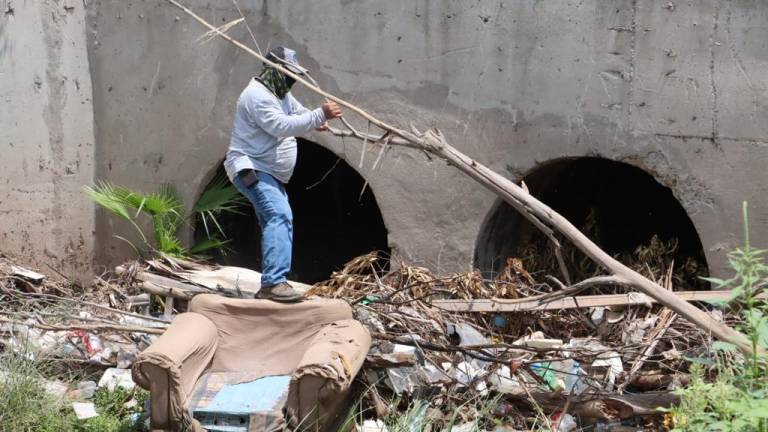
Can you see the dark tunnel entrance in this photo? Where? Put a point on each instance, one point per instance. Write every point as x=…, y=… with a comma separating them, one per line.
x=619, y=206
x=333, y=222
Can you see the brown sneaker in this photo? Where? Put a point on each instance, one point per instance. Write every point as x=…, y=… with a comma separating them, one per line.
x=282, y=292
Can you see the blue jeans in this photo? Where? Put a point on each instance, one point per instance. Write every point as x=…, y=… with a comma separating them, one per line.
x=270, y=201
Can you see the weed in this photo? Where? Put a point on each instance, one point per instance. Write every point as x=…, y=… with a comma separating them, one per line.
x=737, y=399
x=417, y=416
x=26, y=406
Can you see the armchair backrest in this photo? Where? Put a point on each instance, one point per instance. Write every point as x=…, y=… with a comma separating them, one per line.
x=263, y=336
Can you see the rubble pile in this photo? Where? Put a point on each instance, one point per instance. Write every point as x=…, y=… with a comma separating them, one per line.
x=605, y=368
x=103, y=325
x=86, y=340
x=542, y=368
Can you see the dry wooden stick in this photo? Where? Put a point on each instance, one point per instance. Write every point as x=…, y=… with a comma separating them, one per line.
x=543, y=302
x=95, y=305
x=87, y=327
x=545, y=218
x=165, y=291
x=655, y=336
x=666, y=320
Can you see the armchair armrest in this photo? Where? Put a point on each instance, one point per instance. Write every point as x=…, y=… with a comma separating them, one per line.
x=170, y=367
x=322, y=379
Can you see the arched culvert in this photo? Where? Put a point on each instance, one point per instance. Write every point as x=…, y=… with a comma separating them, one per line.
x=619, y=206
x=333, y=221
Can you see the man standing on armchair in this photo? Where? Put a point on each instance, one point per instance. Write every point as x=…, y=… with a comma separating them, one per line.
x=261, y=159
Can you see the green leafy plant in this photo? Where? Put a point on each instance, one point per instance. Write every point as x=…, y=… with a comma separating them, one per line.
x=737, y=398
x=166, y=212
x=25, y=405
x=114, y=414
x=415, y=417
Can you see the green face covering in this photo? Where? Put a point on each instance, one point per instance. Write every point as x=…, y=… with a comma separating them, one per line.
x=275, y=81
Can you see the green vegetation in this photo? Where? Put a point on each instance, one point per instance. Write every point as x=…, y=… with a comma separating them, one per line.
x=736, y=399
x=417, y=417
x=165, y=210
x=26, y=406
x=114, y=416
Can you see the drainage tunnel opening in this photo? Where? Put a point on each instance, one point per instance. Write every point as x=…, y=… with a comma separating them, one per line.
x=332, y=221
x=619, y=206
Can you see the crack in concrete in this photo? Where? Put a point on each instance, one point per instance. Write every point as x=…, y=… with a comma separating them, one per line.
x=711, y=139
x=632, y=67
x=712, y=44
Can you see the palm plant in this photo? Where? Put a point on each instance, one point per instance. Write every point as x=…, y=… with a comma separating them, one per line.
x=166, y=212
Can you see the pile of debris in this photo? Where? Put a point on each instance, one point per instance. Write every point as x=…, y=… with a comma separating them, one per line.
x=556, y=368
x=88, y=339
x=55, y=320
x=457, y=352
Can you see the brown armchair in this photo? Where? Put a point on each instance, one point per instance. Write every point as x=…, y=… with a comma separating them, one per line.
x=264, y=364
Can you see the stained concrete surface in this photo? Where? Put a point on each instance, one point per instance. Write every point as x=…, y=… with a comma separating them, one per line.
x=674, y=88
x=46, y=135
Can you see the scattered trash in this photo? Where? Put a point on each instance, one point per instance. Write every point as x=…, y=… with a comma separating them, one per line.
x=597, y=315
x=466, y=427
x=563, y=375
x=564, y=422
x=584, y=357
x=505, y=428
x=84, y=410
x=548, y=375
x=125, y=359
x=544, y=356
x=607, y=363
x=135, y=419
x=56, y=389
x=27, y=274
x=537, y=340
x=114, y=377
x=502, y=381
x=635, y=331
x=403, y=380
x=373, y=426
x=86, y=389
x=575, y=377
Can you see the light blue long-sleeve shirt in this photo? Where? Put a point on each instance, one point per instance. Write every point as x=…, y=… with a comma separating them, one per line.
x=263, y=135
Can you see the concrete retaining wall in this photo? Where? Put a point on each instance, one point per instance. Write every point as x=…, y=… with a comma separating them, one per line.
x=46, y=135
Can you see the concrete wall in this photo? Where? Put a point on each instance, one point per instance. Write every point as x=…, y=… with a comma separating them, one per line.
x=46, y=135
x=672, y=87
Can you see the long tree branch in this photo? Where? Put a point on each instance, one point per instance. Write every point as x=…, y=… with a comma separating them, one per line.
x=434, y=142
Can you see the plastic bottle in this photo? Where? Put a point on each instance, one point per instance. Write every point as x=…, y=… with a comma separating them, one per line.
x=574, y=379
